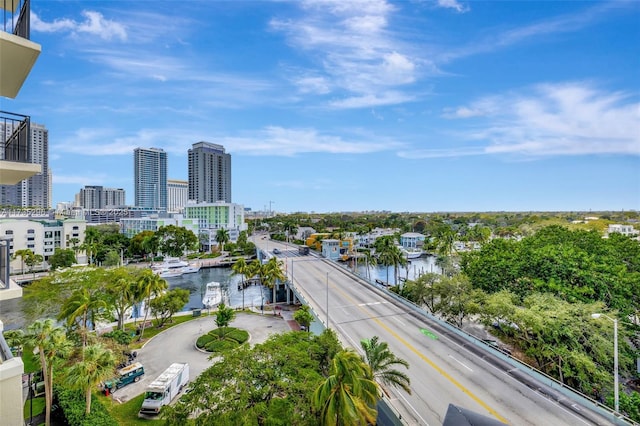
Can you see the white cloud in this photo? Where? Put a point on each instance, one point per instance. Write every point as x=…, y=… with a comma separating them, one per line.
x=357, y=56
x=272, y=140
x=280, y=141
x=536, y=31
x=93, y=24
x=453, y=4
x=555, y=119
x=370, y=100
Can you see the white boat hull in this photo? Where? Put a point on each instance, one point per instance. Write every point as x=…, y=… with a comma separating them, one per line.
x=213, y=295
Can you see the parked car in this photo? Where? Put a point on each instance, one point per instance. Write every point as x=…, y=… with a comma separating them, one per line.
x=126, y=375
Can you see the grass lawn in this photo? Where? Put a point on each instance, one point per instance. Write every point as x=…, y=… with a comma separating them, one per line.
x=127, y=413
x=31, y=361
x=38, y=407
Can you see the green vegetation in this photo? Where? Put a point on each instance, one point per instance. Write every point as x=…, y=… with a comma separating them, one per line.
x=38, y=407
x=127, y=413
x=537, y=295
x=222, y=339
x=271, y=383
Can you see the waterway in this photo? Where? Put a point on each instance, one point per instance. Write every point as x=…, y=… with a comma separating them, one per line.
x=232, y=295
x=12, y=317
x=254, y=296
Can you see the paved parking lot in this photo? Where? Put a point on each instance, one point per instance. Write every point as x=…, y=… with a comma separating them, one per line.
x=178, y=344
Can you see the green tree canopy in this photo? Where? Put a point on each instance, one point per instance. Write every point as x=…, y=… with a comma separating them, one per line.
x=271, y=383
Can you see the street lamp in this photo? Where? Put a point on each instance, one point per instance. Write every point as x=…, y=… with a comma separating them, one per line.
x=615, y=358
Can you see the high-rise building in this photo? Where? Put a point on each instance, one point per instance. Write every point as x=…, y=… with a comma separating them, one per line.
x=34, y=191
x=98, y=197
x=177, y=195
x=209, y=173
x=18, y=54
x=150, y=178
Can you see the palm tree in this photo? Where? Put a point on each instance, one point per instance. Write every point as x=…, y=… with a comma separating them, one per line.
x=241, y=268
x=390, y=255
x=222, y=237
x=96, y=365
x=80, y=308
x=149, y=285
x=270, y=273
x=381, y=361
x=349, y=395
x=23, y=254
x=51, y=342
x=32, y=261
x=121, y=290
x=75, y=242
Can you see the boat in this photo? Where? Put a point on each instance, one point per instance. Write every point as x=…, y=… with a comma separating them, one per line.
x=191, y=268
x=168, y=272
x=412, y=253
x=212, y=295
x=171, y=267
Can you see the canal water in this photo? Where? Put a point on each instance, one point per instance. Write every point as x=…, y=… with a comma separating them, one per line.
x=232, y=295
x=11, y=311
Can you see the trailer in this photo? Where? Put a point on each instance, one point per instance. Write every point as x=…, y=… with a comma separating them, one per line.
x=164, y=389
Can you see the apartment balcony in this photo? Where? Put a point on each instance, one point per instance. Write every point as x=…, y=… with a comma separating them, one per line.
x=15, y=155
x=18, y=54
x=9, y=289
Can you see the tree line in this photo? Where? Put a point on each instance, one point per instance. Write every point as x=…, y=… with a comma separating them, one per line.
x=539, y=294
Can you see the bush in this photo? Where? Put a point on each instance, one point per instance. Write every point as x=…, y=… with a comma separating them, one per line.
x=72, y=404
x=119, y=336
x=221, y=345
x=203, y=340
x=238, y=335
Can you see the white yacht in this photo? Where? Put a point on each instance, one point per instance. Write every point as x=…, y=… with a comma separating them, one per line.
x=213, y=295
x=412, y=253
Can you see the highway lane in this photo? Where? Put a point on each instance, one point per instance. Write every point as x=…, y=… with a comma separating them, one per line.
x=442, y=371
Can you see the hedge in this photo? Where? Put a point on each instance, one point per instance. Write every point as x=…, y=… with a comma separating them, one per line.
x=72, y=403
x=221, y=345
x=203, y=340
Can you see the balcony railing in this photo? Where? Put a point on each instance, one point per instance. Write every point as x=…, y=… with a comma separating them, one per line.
x=16, y=131
x=16, y=17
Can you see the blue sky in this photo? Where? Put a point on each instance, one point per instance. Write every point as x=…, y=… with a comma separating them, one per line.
x=346, y=105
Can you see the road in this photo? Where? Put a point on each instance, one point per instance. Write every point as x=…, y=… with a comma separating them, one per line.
x=441, y=370
x=178, y=344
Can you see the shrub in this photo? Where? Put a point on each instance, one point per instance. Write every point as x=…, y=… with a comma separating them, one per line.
x=120, y=336
x=221, y=345
x=203, y=340
x=238, y=335
x=72, y=404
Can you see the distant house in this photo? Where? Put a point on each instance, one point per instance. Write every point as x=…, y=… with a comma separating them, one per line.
x=412, y=240
x=627, y=230
x=331, y=249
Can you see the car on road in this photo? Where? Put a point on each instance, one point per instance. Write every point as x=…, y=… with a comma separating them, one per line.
x=276, y=251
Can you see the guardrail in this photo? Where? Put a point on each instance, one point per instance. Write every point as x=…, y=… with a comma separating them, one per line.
x=529, y=375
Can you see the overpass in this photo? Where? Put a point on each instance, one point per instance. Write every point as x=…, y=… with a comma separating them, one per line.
x=446, y=364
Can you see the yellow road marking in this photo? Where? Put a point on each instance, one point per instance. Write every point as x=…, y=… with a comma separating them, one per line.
x=431, y=363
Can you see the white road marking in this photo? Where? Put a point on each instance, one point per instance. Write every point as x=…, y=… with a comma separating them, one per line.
x=460, y=363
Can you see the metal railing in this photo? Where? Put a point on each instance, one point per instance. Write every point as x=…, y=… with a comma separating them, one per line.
x=17, y=23
x=16, y=134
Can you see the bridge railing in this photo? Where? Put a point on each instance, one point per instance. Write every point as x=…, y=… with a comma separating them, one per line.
x=527, y=370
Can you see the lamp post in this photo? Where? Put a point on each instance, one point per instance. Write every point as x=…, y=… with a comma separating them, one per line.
x=615, y=358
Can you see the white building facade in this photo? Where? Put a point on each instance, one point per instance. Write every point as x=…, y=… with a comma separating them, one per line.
x=177, y=195
x=215, y=216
